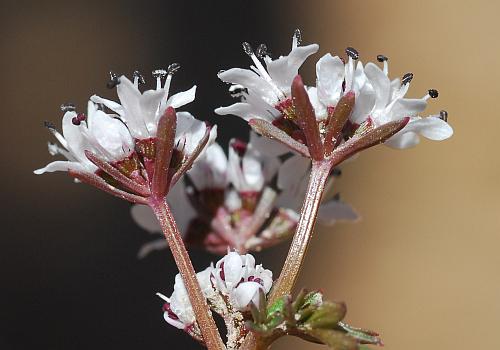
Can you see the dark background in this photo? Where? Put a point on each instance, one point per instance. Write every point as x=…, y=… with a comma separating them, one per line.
x=70, y=277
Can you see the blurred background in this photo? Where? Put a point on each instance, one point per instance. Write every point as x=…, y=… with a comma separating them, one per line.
x=421, y=267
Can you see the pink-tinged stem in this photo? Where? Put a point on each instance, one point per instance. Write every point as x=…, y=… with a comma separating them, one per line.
x=201, y=310
x=296, y=254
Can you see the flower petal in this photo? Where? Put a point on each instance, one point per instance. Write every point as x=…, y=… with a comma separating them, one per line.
x=381, y=84
x=144, y=217
x=244, y=294
x=62, y=165
x=330, y=76
x=182, y=98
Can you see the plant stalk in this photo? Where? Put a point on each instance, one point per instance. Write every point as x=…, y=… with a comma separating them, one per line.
x=198, y=301
x=296, y=255
x=295, y=258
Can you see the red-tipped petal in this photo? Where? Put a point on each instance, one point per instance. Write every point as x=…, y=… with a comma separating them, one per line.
x=165, y=137
x=306, y=118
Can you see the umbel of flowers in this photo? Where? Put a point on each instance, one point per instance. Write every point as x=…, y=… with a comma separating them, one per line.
x=139, y=150
x=246, y=201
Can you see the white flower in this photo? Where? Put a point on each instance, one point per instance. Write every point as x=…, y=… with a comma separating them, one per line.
x=265, y=91
x=142, y=111
x=237, y=277
x=210, y=171
x=97, y=132
x=178, y=310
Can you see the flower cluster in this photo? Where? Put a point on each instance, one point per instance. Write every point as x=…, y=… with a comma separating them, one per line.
x=117, y=151
x=248, y=200
x=231, y=286
x=362, y=97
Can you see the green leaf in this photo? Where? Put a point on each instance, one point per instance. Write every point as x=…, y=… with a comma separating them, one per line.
x=334, y=339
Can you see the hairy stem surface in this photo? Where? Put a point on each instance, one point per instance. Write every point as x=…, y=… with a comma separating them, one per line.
x=198, y=301
x=296, y=254
x=298, y=248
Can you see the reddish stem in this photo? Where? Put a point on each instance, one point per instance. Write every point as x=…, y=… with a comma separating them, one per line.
x=198, y=301
x=298, y=248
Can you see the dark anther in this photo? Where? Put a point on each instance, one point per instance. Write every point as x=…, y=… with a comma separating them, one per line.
x=433, y=93
x=68, y=107
x=173, y=68
x=382, y=58
x=78, y=119
x=407, y=78
x=113, y=80
x=247, y=48
x=443, y=115
x=298, y=36
x=261, y=51
x=352, y=52
x=49, y=125
x=139, y=77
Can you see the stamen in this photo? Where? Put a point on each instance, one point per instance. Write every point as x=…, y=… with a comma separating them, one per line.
x=113, y=80
x=352, y=52
x=161, y=296
x=384, y=59
x=297, y=38
x=56, y=133
x=49, y=125
x=406, y=78
x=171, y=70
x=443, y=115
x=78, y=119
x=349, y=69
x=433, y=93
x=263, y=72
x=261, y=51
x=159, y=74
x=138, y=78
x=68, y=107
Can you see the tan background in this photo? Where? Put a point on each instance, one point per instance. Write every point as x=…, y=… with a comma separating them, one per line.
x=423, y=265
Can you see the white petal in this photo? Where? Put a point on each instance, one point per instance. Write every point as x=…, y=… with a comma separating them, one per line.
x=211, y=170
x=233, y=270
x=403, y=140
x=292, y=180
x=406, y=107
x=432, y=128
x=245, y=293
x=252, y=170
x=284, y=69
x=381, y=84
x=330, y=76
x=250, y=80
x=115, y=107
x=176, y=323
x=61, y=165
x=333, y=210
x=111, y=135
x=182, y=98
